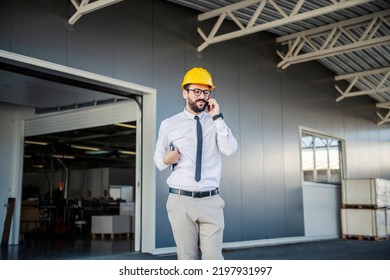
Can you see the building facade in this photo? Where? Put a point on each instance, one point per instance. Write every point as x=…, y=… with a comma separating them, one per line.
x=152, y=43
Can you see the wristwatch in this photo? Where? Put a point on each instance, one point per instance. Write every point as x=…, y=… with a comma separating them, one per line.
x=217, y=116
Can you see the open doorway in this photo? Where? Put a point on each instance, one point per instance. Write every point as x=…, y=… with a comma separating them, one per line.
x=54, y=91
x=72, y=171
x=74, y=175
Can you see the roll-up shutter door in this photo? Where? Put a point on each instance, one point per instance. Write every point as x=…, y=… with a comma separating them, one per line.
x=124, y=111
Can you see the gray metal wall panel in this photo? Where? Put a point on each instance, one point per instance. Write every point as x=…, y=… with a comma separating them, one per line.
x=5, y=24
x=250, y=139
x=374, y=152
x=39, y=29
x=133, y=49
x=384, y=147
x=90, y=45
x=225, y=76
x=273, y=151
x=358, y=122
x=154, y=42
x=350, y=125
x=292, y=164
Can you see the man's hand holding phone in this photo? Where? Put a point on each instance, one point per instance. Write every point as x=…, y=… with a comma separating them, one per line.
x=212, y=107
x=172, y=156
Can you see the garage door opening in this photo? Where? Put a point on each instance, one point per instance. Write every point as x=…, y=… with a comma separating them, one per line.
x=73, y=179
x=56, y=91
x=79, y=178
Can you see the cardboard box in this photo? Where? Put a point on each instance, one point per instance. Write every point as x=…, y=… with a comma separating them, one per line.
x=365, y=222
x=388, y=222
x=111, y=224
x=127, y=208
x=367, y=192
x=30, y=218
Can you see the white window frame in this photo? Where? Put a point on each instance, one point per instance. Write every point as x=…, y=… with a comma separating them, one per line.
x=342, y=156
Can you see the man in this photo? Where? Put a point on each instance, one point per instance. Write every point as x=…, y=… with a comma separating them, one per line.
x=195, y=209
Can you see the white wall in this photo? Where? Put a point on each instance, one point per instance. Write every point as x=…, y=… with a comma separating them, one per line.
x=11, y=151
x=321, y=203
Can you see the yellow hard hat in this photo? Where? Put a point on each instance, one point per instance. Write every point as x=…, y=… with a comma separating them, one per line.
x=198, y=75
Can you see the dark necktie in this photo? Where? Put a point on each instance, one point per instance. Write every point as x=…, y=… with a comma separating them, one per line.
x=199, y=146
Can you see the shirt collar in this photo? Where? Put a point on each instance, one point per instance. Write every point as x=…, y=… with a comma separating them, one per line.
x=191, y=116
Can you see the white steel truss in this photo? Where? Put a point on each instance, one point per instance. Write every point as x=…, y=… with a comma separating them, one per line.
x=365, y=83
x=258, y=6
x=372, y=82
x=385, y=118
x=87, y=6
x=346, y=36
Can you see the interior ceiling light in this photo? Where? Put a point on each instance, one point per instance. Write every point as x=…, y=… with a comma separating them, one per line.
x=127, y=152
x=126, y=125
x=36, y=143
x=66, y=157
x=85, y=148
x=38, y=165
x=97, y=152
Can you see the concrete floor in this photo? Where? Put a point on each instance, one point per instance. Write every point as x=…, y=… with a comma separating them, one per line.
x=86, y=249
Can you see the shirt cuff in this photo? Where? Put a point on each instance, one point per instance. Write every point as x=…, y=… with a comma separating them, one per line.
x=220, y=124
x=161, y=165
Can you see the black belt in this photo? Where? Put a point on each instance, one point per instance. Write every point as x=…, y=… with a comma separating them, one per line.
x=194, y=194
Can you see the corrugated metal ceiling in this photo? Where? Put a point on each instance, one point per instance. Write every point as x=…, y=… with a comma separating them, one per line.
x=355, y=63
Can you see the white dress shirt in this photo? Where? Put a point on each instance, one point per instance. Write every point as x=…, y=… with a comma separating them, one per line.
x=180, y=130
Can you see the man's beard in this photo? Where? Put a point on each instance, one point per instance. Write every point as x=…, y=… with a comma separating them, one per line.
x=194, y=107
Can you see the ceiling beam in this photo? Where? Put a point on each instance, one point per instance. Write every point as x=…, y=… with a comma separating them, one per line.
x=384, y=118
x=249, y=27
x=86, y=6
x=372, y=82
x=364, y=83
x=346, y=36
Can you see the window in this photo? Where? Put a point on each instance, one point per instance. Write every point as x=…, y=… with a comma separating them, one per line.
x=321, y=158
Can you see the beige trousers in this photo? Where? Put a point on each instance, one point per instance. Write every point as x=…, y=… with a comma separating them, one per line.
x=197, y=223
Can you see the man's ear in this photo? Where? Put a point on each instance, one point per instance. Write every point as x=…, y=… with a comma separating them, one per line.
x=185, y=94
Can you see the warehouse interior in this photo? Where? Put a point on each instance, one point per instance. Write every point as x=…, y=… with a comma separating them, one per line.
x=76, y=172
x=61, y=162
x=351, y=40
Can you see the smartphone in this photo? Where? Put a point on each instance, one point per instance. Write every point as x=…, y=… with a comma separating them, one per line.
x=172, y=166
x=207, y=107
